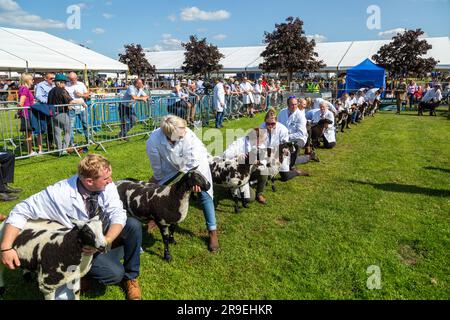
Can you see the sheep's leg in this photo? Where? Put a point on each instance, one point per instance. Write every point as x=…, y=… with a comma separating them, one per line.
x=274, y=188
x=77, y=294
x=171, y=232
x=237, y=209
x=243, y=200
x=165, y=235
x=27, y=276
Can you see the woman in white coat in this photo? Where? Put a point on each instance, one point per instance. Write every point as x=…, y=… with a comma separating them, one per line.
x=174, y=148
x=247, y=96
x=329, y=134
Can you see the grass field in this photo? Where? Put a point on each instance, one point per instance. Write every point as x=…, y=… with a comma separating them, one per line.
x=381, y=198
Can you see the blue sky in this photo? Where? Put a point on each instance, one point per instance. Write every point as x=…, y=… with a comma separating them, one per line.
x=106, y=25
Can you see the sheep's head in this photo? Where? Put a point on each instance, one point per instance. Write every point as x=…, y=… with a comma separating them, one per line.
x=195, y=178
x=91, y=233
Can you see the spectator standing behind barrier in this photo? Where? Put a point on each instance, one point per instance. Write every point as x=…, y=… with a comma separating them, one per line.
x=247, y=96
x=412, y=88
x=78, y=92
x=174, y=148
x=258, y=90
x=88, y=194
x=7, y=161
x=41, y=91
x=26, y=100
x=59, y=96
x=127, y=111
x=219, y=102
x=191, y=101
x=400, y=94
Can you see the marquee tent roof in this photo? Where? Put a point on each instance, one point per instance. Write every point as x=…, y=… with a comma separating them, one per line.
x=338, y=56
x=40, y=51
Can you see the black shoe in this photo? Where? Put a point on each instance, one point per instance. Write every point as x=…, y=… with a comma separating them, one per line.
x=12, y=190
x=7, y=197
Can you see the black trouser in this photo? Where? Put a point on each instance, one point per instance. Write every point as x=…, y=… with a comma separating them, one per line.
x=6, y=169
x=262, y=181
x=294, y=155
x=286, y=176
x=328, y=145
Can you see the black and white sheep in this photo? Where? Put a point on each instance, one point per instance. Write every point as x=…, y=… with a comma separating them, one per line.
x=166, y=205
x=55, y=253
x=275, y=160
x=235, y=175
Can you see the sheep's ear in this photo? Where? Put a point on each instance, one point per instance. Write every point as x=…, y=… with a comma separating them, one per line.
x=79, y=224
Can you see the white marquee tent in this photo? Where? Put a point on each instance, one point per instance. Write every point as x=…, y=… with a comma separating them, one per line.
x=338, y=56
x=22, y=50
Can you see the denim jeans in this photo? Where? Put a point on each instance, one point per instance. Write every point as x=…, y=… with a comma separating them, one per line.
x=107, y=268
x=208, y=210
x=219, y=120
x=82, y=115
x=128, y=118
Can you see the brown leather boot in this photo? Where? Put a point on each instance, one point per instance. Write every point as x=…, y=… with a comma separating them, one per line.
x=132, y=289
x=302, y=173
x=213, y=241
x=2, y=218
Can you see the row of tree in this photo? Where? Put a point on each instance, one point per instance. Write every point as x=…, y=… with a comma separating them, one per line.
x=288, y=51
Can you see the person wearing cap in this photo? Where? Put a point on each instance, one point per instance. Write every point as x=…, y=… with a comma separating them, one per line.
x=431, y=100
x=60, y=98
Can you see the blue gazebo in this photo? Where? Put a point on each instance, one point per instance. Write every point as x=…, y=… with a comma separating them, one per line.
x=365, y=75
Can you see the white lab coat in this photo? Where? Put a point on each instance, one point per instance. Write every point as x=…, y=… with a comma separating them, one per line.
x=248, y=97
x=219, y=97
x=371, y=95
x=318, y=102
x=330, y=133
x=62, y=201
x=432, y=94
x=278, y=135
x=296, y=124
x=258, y=89
x=167, y=160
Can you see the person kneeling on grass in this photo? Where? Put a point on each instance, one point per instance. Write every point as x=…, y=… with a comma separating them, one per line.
x=329, y=132
x=82, y=197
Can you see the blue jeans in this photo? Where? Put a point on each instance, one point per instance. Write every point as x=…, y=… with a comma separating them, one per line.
x=107, y=268
x=82, y=115
x=128, y=118
x=207, y=204
x=219, y=120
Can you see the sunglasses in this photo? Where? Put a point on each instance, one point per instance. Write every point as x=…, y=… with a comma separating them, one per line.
x=271, y=124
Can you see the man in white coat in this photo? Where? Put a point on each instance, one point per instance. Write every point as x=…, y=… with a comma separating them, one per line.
x=329, y=133
x=247, y=96
x=174, y=148
x=294, y=119
x=89, y=193
x=219, y=102
x=315, y=104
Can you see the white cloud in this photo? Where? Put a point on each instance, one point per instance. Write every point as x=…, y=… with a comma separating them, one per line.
x=317, y=37
x=168, y=42
x=172, y=17
x=108, y=15
x=12, y=14
x=220, y=37
x=194, y=13
x=391, y=33
x=98, y=31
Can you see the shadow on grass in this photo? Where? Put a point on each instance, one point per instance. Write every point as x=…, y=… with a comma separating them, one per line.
x=437, y=169
x=405, y=188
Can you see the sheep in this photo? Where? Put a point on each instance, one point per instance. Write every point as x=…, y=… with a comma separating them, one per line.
x=275, y=161
x=317, y=131
x=55, y=253
x=233, y=174
x=166, y=205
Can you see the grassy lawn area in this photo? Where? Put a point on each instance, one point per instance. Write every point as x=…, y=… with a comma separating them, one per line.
x=381, y=198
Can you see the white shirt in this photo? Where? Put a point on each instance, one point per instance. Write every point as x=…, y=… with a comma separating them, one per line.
x=330, y=133
x=167, y=159
x=360, y=101
x=79, y=87
x=62, y=202
x=239, y=147
x=219, y=97
x=277, y=136
x=318, y=102
x=295, y=123
x=371, y=95
x=247, y=96
x=432, y=94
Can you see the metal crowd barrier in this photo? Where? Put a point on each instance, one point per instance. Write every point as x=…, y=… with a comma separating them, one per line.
x=64, y=129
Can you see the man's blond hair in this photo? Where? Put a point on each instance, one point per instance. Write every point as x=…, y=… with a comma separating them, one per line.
x=170, y=124
x=92, y=166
